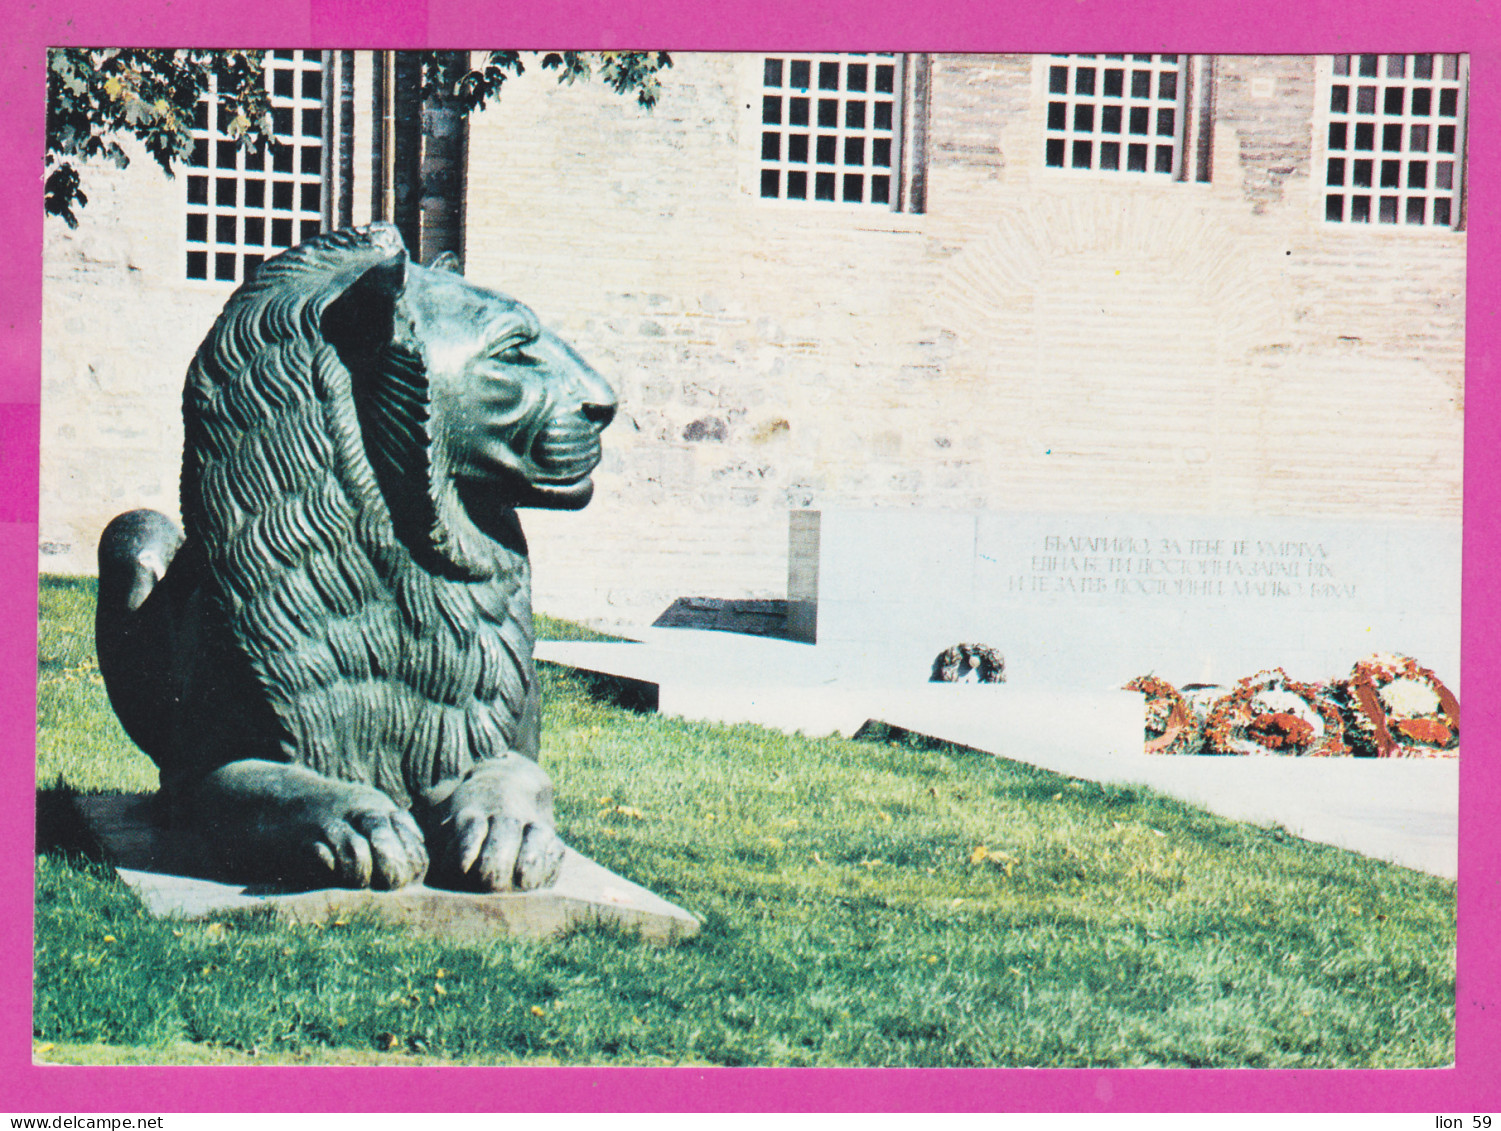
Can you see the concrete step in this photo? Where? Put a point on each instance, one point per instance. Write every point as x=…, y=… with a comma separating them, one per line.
x=1402, y=810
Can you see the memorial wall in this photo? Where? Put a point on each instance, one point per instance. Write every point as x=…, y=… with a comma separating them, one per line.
x=1097, y=599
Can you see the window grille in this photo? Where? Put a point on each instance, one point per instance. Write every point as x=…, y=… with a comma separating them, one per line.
x=1117, y=113
x=1394, y=146
x=244, y=206
x=831, y=128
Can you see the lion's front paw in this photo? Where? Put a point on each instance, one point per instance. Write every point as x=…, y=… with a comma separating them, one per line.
x=286, y=824
x=495, y=853
x=370, y=845
x=495, y=831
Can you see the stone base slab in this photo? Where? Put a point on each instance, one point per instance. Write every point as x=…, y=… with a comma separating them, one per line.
x=162, y=866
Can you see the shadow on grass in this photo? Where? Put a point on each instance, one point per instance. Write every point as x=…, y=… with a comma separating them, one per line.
x=61, y=829
x=635, y=695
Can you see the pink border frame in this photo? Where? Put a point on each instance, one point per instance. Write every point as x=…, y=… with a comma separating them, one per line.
x=1217, y=26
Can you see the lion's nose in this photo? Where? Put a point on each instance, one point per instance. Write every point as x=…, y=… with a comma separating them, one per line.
x=598, y=415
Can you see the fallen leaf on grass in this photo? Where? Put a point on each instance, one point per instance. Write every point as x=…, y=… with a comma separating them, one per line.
x=625, y=811
x=984, y=855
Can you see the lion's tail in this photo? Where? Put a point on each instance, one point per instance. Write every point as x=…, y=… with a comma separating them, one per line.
x=134, y=639
x=134, y=552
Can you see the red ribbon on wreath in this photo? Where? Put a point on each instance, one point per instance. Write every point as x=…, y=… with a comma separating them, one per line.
x=1180, y=733
x=1423, y=733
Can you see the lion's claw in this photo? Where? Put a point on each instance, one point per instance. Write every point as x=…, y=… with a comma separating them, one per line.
x=496, y=829
x=541, y=857
x=496, y=867
x=502, y=853
x=286, y=824
x=380, y=850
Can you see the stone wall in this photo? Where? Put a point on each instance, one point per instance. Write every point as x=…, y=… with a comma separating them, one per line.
x=1037, y=340
x=120, y=324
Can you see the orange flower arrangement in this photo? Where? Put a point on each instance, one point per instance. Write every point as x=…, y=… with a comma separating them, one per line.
x=1395, y=708
x=1389, y=707
x=1279, y=729
x=1171, y=727
x=1268, y=713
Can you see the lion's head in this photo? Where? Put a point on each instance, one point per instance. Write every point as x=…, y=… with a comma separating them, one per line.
x=467, y=405
x=513, y=407
x=512, y=414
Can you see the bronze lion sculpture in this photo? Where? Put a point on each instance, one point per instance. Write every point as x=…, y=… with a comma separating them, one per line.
x=332, y=666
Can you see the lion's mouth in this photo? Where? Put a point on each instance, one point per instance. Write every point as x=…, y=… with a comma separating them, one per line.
x=564, y=454
x=572, y=497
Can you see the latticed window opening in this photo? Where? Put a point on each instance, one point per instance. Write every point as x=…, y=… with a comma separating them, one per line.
x=1394, y=151
x=1117, y=113
x=246, y=205
x=831, y=128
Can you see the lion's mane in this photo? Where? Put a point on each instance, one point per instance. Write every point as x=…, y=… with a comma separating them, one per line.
x=375, y=666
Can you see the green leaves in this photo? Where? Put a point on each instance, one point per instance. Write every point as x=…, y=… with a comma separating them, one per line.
x=627, y=71
x=449, y=76
x=96, y=95
x=62, y=192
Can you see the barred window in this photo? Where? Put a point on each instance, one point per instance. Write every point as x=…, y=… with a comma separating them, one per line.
x=1394, y=139
x=244, y=206
x=831, y=128
x=1117, y=113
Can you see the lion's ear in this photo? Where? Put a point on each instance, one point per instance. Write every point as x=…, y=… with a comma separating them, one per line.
x=360, y=321
x=448, y=261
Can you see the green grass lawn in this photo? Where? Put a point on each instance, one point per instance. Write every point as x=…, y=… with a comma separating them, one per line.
x=887, y=902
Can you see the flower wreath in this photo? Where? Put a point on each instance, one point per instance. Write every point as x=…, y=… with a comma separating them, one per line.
x=1396, y=708
x=1268, y=713
x=968, y=663
x=1171, y=727
x=1201, y=698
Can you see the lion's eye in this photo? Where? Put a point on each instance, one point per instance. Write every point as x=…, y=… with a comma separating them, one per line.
x=511, y=355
